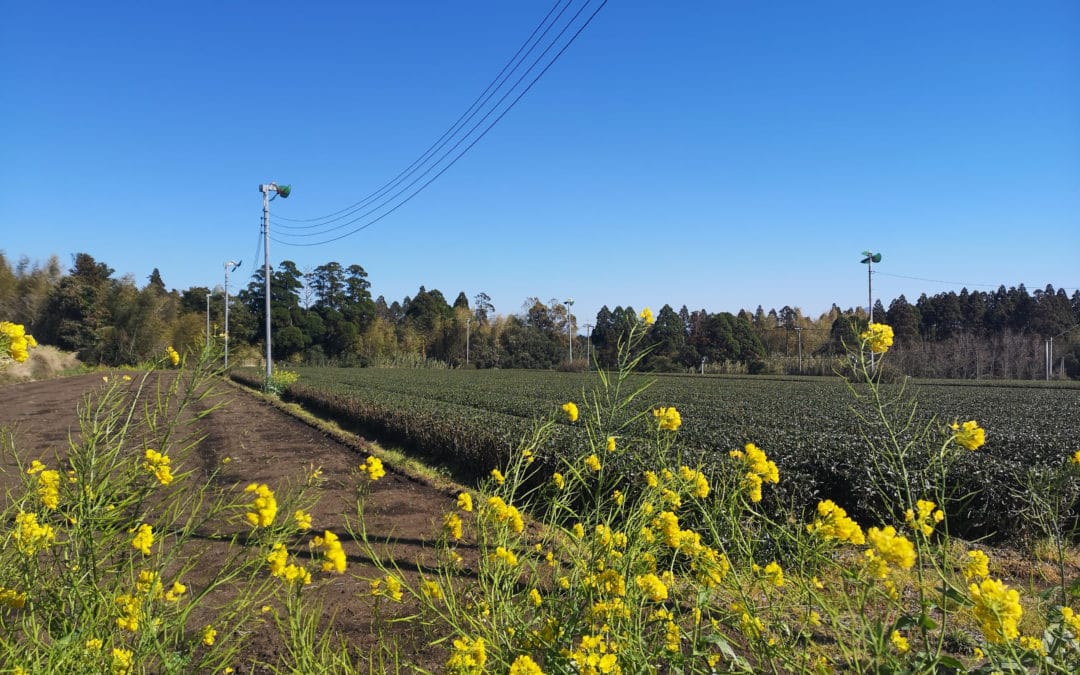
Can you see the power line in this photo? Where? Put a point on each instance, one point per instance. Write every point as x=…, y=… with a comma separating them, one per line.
x=469, y=113
x=455, y=159
x=952, y=283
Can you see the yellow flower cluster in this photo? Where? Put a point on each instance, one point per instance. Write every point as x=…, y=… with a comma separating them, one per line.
x=48, y=489
x=431, y=589
x=158, y=464
x=498, y=477
x=452, y=525
x=900, y=642
x=30, y=536
x=122, y=660
x=596, y=656
x=131, y=612
x=9, y=597
x=833, y=523
x=651, y=586
x=977, y=566
x=209, y=636
x=468, y=657
x=19, y=343
x=373, y=467
x=611, y=445
x=761, y=470
x=505, y=555
x=1071, y=620
x=888, y=547
x=997, y=607
x=303, y=520
x=333, y=552
x=464, y=502
x=570, y=408
x=592, y=463
x=387, y=587
x=928, y=515
x=263, y=507
x=524, y=665
x=174, y=357
x=969, y=434
x=667, y=418
x=878, y=337
x=698, y=481
x=143, y=540
x=501, y=512
x=558, y=479
x=282, y=569
x=647, y=316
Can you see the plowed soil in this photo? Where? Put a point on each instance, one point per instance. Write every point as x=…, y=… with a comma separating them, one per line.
x=266, y=445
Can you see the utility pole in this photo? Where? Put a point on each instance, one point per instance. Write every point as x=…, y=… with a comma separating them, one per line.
x=284, y=191
x=207, y=320
x=588, y=345
x=230, y=266
x=798, y=331
x=570, y=327
x=869, y=261
x=467, y=322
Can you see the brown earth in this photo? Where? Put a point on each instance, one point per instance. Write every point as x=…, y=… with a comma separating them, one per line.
x=264, y=444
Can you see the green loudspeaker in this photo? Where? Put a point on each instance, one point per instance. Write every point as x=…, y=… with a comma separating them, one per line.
x=285, y=190
x=871, y=257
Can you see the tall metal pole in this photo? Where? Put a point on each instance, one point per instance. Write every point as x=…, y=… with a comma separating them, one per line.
x=229, y=267
x=588, y=345
x=570, y=326
x=266, y=271
x=798, y=331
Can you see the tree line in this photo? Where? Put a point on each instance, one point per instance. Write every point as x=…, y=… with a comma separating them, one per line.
x=327, y=315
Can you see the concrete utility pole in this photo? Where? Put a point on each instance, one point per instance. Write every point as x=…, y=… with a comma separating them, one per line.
x=230, y=266
x=207, y=319
x=284, y=191
x=798, y=331
x=869, y=261
x=588, y=346
x=570, y=327
x=467, y=322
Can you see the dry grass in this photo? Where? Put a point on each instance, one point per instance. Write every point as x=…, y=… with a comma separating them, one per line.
x=45, y=362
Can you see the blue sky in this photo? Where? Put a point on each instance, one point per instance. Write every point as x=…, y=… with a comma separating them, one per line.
x=720, y=155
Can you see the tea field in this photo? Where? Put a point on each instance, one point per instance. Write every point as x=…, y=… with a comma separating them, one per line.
x=472, y=418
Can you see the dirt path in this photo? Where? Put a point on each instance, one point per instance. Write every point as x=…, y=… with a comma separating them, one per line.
x=265, y=445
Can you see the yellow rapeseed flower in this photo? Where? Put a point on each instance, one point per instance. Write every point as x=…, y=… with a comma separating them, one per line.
x=174, y=358
x=833, y=523
x=373, y=466
x=900, y=642
x=9, y=597
x=558, y=480
x=977, y=566
x=997, y=607
x=667, y=418
x=467, y=657
x=144, y=539
x=571, y=410
x=264, y=506
x=647, y=316
x=159, y=465
x=928, y=516
x=611, y=444
x=969, y=434
x=1075, y=459
x=18, y=342
x=498, y=476
x=524, y=665
x=535, y=598
x=452, y=525
x=333, y=552
x=878, y=337
x=891, y=547
x=209, y=635
x=592, y=462
x=303, y=520
x=121, y=661
x=651, y=586
x=464, y=502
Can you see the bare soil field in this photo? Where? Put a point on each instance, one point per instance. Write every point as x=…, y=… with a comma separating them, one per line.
x=266, y=445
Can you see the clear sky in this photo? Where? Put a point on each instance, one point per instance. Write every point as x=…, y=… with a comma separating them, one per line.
x=720, y=155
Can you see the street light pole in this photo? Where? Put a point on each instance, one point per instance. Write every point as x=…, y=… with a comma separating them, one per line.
x=230, y=266
x=284, y=191
x=588, y=345
x=869, y=261
x=570, y=327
